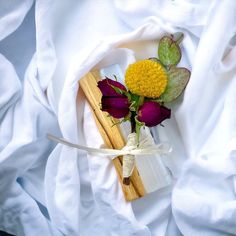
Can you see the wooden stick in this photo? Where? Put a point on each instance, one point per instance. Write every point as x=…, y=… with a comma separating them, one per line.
x=111, y=135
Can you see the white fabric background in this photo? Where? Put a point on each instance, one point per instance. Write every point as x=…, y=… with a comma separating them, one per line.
x=46, y=46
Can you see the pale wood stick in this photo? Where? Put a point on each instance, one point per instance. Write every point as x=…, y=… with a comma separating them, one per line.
x=111, y=135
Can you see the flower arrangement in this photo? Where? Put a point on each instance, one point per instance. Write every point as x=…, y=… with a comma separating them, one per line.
x=150, y=85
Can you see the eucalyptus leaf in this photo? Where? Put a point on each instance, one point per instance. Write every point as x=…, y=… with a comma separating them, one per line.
x=177, y=81
x=169, y=51
x=154, y=59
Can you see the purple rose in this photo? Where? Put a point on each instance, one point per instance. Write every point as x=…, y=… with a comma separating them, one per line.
x=105, y=86
x=116, y=104
x=152, y=113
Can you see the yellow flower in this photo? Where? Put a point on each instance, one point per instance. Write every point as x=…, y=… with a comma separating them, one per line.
x=146, y=78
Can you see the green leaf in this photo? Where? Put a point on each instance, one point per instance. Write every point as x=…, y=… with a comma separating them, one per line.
x=121, y=91
x=134, y=101
x=177, y=81
x=134, y=97
x=138, y=126
x=169, y=51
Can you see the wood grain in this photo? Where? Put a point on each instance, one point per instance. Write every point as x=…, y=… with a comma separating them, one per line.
x=111, y=135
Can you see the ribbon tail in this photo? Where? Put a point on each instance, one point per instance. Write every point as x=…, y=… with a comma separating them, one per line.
x=128, y=165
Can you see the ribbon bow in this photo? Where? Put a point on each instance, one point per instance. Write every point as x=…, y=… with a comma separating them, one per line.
x=130, y=151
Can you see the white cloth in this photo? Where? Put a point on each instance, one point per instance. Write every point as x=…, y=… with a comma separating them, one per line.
x=48, y=190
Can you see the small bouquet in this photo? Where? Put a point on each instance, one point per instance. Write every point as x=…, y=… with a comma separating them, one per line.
x=150, y=85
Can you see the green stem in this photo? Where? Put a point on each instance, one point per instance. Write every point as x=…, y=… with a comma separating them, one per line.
x=126, y=180
x=133, y=123
x=141, y=101
x=178, y=37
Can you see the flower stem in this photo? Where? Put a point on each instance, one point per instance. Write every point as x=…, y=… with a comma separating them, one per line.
x=178, y=37
x=126, y=180
x=133, y=123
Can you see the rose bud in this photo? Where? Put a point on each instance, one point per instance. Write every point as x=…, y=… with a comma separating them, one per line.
x=117, y=107
x=152, y=113
x=116, y=104
x=105, y=87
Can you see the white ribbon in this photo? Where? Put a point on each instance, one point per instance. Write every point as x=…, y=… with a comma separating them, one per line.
x=130, y=151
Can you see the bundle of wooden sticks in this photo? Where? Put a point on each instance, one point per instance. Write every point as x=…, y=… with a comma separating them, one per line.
x=111, y=134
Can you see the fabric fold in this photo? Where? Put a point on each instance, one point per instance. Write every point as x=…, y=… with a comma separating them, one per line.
x=209, y=126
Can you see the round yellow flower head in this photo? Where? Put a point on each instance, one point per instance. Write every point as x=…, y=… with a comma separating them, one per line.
x=146, y=78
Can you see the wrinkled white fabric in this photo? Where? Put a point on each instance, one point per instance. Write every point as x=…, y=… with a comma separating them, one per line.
x=49, y=189
x=208, y=179
x=12, y=14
